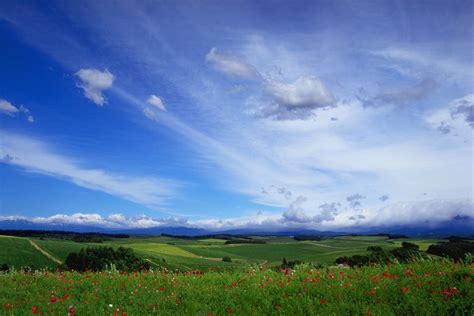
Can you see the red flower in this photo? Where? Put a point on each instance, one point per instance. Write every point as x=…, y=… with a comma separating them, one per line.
x=322, y=301
x=34, y=309
x=372, y=292
x=71, y=309
x=52, y=299
x=65, y=296
x=404, y=289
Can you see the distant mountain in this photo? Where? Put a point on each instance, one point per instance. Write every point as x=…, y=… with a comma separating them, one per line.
x=293, y=232
x=21, y=224
x=461, y=226
x=181, y=231
x=458, y=225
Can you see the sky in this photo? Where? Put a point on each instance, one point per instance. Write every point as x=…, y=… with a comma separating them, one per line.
x=237, y=114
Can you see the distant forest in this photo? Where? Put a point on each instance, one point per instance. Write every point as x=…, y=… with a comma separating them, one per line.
x=78, y=237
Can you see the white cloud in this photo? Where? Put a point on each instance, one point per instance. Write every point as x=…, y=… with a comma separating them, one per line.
x=305, y=92
x=231, y=65
x=7, y=108
x=295, y=212
x=457, y=117
x=296, y=100
x=156, y=102
x=464, y=108
x=35, y=156
x=94, y=82
x=354, y=200
x=426, y=213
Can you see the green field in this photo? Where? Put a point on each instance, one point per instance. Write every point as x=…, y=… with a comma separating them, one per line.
x=19, y=252
x=201, y=254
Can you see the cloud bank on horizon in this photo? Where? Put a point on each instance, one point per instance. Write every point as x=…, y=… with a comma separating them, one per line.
x=283, y=119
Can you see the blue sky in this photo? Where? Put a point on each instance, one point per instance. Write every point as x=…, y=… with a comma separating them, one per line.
x=318, y=114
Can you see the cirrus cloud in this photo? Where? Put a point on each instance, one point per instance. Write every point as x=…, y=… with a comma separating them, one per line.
x=231, y=65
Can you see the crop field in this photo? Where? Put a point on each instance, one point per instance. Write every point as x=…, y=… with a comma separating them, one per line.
x=422, y=288
x=19, y=252
x=201, y=254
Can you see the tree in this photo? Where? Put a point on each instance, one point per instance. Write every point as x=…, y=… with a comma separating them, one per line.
x=374, y=249
x=98, y=258
x=409, y=245
x=452, y=249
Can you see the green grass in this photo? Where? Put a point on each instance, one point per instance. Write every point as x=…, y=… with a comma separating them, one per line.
x=422, y=288
x=162, y=249
x=61, y=248
x=18, y=252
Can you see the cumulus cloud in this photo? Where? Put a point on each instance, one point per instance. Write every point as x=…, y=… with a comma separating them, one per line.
x=328, y=211
x=156, y=102
x=7, y=108
x=354, y=200
x=427, y=213
x=287, y=101
x=296, y=100
x=356, y=217
x=10, y=110
x=94, y=82
x=464, y=107
x=295, y=212
x=96, y=220
x=231, y=65
x=35, y=156
x=444, y=128
x=457, y=115
x=400, y=97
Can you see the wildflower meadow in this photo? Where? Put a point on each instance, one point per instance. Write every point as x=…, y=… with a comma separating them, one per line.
x=430, y=287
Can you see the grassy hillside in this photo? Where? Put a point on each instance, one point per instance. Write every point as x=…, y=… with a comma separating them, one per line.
x=18, y=252
x=188, y=254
